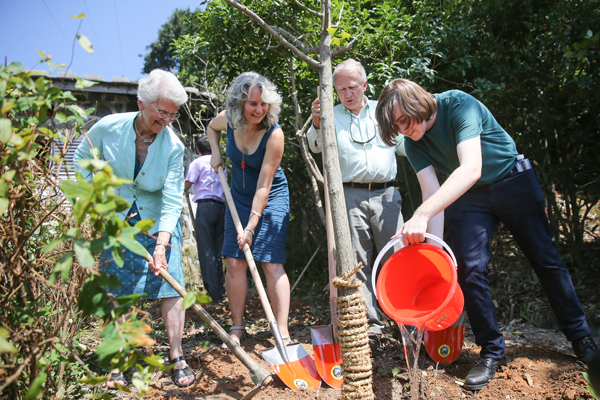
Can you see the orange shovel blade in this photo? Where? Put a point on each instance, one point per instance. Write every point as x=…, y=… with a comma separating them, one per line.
x=300, y=373
x=328, y=356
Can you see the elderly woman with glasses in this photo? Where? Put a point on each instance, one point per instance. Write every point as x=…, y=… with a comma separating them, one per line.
x=141, y=147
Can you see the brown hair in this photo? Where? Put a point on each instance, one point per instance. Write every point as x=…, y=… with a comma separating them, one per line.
x=415, y=103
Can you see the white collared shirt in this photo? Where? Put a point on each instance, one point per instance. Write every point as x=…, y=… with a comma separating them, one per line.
x=364, y=157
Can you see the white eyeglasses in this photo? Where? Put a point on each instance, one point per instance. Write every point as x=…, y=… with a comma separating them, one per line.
x=165, y=115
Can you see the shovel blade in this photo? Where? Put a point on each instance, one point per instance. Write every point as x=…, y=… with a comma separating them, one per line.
x=444, y=346
x=328, y=355
x=299, y=373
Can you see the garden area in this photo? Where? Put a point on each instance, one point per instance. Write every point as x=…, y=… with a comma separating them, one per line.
x=533, y=63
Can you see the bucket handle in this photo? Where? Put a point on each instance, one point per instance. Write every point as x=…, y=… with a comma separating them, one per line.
x=392, y=243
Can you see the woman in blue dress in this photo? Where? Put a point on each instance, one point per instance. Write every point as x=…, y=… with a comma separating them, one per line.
x=260, y=192
x=140, y=146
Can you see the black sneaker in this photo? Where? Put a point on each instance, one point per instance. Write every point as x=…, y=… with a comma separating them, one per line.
x=584, y=348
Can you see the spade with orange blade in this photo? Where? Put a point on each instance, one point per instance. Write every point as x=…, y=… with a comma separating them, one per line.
x=326, y=346
x=291, y=363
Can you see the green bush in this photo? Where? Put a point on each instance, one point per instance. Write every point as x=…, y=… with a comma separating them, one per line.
x=50, y=235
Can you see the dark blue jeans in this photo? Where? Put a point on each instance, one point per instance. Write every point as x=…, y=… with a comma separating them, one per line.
x=518, y=202
x=210, y=230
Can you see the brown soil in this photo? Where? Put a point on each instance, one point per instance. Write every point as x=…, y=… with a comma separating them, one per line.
x=540, y=362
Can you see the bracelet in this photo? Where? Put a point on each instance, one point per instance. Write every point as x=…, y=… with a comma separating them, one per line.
x=255, y=213
x=160, y=244
x=249, y=230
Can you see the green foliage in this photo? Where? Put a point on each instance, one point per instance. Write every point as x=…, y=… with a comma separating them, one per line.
x=533, y=63
x=50, y=283
x=589, y=386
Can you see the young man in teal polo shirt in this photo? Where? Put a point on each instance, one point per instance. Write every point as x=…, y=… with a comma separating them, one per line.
x=488, y=182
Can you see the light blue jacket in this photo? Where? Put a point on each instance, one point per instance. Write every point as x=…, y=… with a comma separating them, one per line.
x=158, y=187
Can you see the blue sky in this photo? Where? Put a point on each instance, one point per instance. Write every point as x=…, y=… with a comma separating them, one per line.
x=119, y=31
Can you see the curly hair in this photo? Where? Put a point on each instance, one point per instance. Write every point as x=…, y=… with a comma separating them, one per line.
x=161, y=84
x=239, y=92
x=416, y=104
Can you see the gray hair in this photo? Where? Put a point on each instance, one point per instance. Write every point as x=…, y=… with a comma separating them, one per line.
x=161, y=84
x=239, y=92
x=351, y=65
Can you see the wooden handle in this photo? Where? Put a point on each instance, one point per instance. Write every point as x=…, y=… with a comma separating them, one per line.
x=258, y=374
x=251, y=264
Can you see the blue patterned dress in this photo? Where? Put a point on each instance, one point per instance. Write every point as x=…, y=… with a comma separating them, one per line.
x=135, y=275
x=270, y=235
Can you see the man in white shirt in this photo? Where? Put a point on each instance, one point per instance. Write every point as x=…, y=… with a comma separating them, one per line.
x=368, y=169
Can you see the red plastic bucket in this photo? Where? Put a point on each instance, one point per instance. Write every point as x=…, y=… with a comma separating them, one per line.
x=418, y=285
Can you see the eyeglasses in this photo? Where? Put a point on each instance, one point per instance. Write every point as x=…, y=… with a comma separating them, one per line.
x=366, y=128
x=165, y=115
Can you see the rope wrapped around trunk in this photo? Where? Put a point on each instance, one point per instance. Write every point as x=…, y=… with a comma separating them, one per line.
x=354, y=339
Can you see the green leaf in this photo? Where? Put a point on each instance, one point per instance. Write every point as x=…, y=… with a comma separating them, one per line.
x=145, y=224
x=84, y=256
x=5, y=346
x=80, y=189
x=3, y=205
x=155, y=361
x=91, y=164
x=202, y=298
x=335, y=41
x=109, y=346
x=85, y=43
x=117, y=253
x=5, y=130
x=129, y=232
x=62, y=268
x=93, y=380
x=133, y=246
x=332, y=31
x=189, y=300
x=82, y=83
x=36, y=388
x=78, y=112
x=52, y=245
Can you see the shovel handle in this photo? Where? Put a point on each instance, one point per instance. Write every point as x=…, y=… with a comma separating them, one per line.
x=259, y=375
x=253, y=270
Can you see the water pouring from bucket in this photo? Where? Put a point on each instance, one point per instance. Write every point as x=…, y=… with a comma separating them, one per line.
x=418, y=288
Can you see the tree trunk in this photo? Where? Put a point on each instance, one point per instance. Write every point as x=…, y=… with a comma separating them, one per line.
x=341, y=229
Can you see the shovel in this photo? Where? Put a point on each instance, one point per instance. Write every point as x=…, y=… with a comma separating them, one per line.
x=259, y=375
x=444, y=346
x=326, y=346
x=296, y=369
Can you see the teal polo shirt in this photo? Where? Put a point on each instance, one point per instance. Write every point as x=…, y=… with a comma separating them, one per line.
x=461, y=116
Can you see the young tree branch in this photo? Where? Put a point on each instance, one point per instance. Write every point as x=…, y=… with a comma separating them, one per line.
x=296, y=41
x=309, y=10
x=236, y=4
